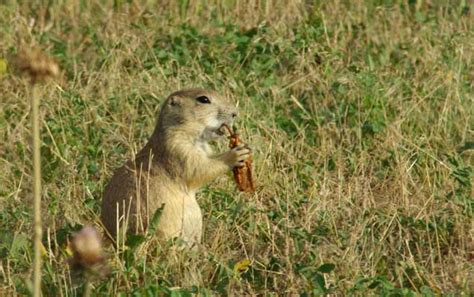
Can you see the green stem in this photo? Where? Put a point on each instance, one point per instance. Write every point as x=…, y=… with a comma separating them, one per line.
x=87, y=288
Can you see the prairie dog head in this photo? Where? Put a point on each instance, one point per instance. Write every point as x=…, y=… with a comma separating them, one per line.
x=202, y=112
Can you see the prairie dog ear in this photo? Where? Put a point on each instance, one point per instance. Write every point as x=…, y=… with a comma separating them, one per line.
x=175, y=100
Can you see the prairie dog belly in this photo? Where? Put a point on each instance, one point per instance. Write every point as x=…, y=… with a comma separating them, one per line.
x=192, y=220
x=182, y=218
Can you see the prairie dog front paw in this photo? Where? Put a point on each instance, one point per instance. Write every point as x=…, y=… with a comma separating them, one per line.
x=236, y=157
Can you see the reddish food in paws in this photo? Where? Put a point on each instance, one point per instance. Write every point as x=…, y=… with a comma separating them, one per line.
x=242, y=175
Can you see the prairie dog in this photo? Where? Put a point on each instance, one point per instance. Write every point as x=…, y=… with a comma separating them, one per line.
x=172, y=166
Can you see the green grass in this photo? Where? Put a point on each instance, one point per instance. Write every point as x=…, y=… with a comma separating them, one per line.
x=359, y=116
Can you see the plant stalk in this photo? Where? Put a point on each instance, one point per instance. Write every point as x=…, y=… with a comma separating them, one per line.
x=36, y=191
x=87, y=288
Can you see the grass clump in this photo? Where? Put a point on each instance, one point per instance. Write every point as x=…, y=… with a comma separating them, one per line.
x=360, y=119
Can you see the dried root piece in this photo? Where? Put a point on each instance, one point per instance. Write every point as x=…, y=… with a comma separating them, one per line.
x=242, y=175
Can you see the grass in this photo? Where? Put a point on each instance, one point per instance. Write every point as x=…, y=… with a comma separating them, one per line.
x=359, y=116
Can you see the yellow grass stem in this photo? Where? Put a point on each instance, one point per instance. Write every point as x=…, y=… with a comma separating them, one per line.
x=36, y=190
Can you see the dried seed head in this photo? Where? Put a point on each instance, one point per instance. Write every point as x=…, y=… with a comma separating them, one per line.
x=86, y=246
x=36, y=64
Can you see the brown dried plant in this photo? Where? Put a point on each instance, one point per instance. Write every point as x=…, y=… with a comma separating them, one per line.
x=86, y=246
x=88, y=256
x=242, y=175
x=38, y=66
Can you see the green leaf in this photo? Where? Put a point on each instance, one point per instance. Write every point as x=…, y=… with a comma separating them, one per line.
x=155, y=221
x=326, y=268
x=3, y=67
x=319, y=283
x=20, y=243
x=134, y=240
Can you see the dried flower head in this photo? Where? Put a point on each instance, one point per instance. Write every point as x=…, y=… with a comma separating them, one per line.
x=87, y=248
x=36, y=64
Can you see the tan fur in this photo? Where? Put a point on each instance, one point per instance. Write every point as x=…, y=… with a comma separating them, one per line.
x=173, y=165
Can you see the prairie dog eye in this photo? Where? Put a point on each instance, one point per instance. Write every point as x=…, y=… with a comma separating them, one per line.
x=203, y=99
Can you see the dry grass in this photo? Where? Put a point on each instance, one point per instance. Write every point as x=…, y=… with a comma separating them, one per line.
x=360, y=117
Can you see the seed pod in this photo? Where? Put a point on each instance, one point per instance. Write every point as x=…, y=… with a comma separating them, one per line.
x=36, y=64
x=87, y=247
x=242, y=175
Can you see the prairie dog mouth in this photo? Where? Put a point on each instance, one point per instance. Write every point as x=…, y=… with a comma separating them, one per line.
x=221, y=130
